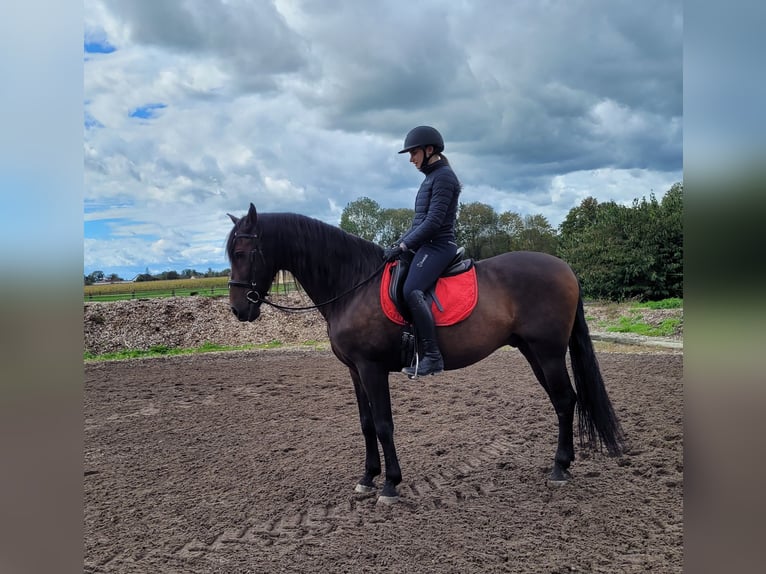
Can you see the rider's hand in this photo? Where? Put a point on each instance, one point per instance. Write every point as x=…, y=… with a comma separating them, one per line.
x=391, y=253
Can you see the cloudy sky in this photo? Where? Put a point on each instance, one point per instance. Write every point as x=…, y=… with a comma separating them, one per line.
x=195, y=108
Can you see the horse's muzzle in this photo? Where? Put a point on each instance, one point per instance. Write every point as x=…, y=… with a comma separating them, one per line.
x=249, y=313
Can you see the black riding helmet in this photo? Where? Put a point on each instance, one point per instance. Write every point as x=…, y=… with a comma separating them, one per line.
x=423, y=136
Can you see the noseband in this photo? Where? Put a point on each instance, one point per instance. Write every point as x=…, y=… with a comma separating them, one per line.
x=253, y=295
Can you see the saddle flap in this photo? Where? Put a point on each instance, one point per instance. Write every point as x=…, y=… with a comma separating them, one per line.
x=457, y=295
x=401, y=266
x=398, y=273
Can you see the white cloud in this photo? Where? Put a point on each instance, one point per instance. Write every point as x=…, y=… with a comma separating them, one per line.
x=296, y=110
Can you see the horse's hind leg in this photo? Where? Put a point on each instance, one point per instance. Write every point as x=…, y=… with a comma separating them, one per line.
x=549, y=366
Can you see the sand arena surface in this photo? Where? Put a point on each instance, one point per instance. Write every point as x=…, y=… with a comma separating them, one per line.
x=246, y=462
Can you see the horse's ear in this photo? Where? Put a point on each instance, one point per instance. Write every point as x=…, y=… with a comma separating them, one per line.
x=252, y=214
x=233, y=218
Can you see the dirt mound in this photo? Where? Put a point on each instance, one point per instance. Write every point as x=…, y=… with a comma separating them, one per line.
x=187, y=322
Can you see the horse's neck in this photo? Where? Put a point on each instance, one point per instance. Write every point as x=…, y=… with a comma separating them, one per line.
x=304, y=266
x=312, y=267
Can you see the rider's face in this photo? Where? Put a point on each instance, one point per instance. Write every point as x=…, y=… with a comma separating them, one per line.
x=417, y=156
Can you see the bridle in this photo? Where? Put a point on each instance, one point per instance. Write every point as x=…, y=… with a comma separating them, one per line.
x=254, y=296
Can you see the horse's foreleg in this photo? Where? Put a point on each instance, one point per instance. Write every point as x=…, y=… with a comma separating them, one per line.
x=372, y=456
x=374, y=383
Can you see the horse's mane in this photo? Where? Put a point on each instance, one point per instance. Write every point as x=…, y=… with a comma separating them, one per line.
x=314, y=248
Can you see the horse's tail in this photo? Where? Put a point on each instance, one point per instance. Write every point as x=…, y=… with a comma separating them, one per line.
x=595, y=412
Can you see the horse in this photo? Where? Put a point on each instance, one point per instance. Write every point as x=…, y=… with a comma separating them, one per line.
x=529, y=300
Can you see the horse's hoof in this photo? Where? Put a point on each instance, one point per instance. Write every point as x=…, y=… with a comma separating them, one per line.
x=363, y=489
x=558, y=478
x=388, y=495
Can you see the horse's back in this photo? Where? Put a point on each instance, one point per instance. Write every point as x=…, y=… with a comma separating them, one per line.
x=522, y=258
x=527, y=269
x=534, y=290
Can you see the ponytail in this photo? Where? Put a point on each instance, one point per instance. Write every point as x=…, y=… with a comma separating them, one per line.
x=444, y=157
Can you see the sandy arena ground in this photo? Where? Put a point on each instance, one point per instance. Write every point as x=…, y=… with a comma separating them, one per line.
x=246, y=462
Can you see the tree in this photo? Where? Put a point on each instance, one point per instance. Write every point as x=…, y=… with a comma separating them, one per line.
x=537, y=234
x=95, y=277
x=623, y=252
x=663, y=241
x=168, y=275
x=654, y=247
x=394, y=223
x=362, y=218
x=510, y=223
x=580, y=218
x=671, y=252
x=477, y=226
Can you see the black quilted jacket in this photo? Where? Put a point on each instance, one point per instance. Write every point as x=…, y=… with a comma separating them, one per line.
x=435, y=207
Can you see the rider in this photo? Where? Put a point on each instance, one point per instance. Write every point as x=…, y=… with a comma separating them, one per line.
x=431, y=236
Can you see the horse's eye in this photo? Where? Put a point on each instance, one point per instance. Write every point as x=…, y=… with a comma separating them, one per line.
x=239, y=255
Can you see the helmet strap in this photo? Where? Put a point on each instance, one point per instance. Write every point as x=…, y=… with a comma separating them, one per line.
x=426, y=157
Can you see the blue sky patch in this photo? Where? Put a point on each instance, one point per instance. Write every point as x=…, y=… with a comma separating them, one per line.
x=101, y=228
x=98, y=47
x=146, y=112
x=112, y=228
x=91, y=122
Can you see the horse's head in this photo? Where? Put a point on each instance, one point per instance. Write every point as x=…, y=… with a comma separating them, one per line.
x=251, y=275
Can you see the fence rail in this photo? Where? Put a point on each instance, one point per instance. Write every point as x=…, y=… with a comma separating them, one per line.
x=155, y=294
x=206, y=287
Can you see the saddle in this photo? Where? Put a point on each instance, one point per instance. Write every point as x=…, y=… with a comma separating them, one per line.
x=453, y=296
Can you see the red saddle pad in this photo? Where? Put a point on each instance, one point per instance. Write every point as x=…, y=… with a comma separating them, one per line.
x=457, y=294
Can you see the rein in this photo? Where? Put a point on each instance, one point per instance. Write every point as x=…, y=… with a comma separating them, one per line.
x=260, y=299
x=255, y=298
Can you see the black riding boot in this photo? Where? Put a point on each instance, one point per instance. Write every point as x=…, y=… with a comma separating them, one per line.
x=430, y=362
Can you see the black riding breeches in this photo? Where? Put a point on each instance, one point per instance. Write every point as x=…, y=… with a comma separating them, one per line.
x=429, y=262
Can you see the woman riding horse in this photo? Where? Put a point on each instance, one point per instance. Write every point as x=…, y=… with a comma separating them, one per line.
x=431, y=236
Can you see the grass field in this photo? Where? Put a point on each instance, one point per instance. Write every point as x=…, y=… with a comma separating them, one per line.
x=210, y=286
x=636, y=318
x=203, y=286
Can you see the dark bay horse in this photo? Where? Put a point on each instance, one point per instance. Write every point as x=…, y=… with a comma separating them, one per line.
x=528, y=300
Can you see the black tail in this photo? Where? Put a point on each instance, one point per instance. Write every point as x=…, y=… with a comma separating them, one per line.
x=595, y=413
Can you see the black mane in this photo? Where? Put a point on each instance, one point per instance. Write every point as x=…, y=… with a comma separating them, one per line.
x=310, y=248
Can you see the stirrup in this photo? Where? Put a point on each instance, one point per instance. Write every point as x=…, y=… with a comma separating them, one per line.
x=413, y=372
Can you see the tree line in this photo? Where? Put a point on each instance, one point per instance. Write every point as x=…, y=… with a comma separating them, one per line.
x=618, y=252
x=100, y=276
